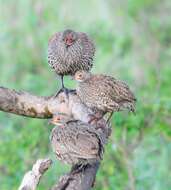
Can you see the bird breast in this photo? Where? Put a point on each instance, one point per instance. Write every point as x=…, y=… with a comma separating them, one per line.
x=91, y=96
x=69, y=59
x=75, y=142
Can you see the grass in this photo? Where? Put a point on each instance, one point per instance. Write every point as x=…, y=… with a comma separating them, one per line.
x=133, y=44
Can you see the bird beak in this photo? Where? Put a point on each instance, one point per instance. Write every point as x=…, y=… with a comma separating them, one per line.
x=54, y=121
x=68, y=42
x=78, y=79
x=50, y=122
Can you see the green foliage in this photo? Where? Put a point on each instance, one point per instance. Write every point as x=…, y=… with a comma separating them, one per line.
x=133, y=44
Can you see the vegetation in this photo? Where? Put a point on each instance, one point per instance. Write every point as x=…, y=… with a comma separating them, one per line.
x=133, y=42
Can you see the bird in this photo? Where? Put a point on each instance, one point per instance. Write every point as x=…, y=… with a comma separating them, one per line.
x=70, y=51
x=75, y=142
x=104, y=93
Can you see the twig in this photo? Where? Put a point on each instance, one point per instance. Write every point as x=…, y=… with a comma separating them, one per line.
x=31, y=178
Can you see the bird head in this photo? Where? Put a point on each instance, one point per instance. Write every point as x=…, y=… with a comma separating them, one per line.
x=69, y=37
x=59, y=119
x=82, y=76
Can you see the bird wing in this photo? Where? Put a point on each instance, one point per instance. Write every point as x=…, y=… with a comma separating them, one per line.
x=83, y=144
x=115, y=89
x=57, y=138
x=88, y=44
x=54, y=37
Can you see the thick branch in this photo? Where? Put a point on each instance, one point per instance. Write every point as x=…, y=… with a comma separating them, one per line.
x=26, y=104
x=83, y=180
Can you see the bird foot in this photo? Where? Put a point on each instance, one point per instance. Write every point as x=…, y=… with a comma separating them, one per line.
x=94, y=119
x=109, y=118
x=65, y=90
x=77, y=168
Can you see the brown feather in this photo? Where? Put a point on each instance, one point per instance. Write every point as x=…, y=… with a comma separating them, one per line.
x=77, y=142
x=105, y=93
x=67, y=60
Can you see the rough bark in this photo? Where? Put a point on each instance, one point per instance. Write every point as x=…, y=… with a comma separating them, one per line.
x=31, y=178
x=82, y=180
x=26, y=104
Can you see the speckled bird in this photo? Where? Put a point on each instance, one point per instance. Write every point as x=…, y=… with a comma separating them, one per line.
x=75, y=142
x=104, y=93
x=70, y=51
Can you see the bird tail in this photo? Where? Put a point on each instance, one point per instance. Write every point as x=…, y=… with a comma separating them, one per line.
x=129, y=106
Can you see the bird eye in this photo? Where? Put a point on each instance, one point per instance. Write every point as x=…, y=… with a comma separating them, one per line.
x=80, y=75
x=58, y=119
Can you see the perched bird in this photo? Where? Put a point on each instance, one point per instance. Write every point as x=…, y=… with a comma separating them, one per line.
x=104, y=93
x=70, y=51
x=75, y=142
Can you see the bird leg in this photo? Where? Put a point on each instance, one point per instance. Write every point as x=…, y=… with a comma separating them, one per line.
x=94, y=118
x=110, y=116
x=63, y=89
x=62, y=80
x=77, y=168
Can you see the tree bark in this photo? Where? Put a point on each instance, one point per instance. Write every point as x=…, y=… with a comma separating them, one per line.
x=26, y=104
x=82, y=180
x=31, y=178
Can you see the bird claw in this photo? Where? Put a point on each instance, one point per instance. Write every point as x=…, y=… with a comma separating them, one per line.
x=94, y=118
x=77, y=168
x=65, y=90
x=56, y=95
x=109, y=118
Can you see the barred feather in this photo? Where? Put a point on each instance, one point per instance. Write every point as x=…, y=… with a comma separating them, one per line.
x=77, y=143
x=105, y=93
x=67, y=60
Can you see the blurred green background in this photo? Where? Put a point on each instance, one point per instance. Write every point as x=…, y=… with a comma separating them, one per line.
x=133, y=43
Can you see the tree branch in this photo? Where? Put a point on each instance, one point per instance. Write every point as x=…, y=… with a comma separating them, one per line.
x=26, y=104
x=82, y=180
x=31, y=178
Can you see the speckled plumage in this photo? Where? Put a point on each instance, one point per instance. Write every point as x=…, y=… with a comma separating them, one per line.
x=66, y=60
x=104, y=93
x=77, y=143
